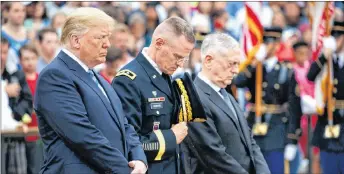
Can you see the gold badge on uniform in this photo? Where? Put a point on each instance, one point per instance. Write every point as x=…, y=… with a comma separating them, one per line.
x=156, y=125
x=332, y=131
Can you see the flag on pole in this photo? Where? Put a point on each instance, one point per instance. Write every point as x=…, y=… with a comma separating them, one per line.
x=321, y=15
x=252, y=35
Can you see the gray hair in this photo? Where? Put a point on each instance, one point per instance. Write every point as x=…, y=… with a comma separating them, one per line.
x=136, y=18
x=217, y=43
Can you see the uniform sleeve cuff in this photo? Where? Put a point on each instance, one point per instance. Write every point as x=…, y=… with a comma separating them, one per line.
x=167, y=143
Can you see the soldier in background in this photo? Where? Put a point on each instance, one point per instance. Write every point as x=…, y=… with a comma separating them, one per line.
x=331, y=146
x=278, y=124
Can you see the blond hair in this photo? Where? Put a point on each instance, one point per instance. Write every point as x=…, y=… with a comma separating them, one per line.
x=82, y=19
x=120, y=27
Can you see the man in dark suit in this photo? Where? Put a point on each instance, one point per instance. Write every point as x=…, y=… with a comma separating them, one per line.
x=224, y=143
x=81, y=121
x=144, y=87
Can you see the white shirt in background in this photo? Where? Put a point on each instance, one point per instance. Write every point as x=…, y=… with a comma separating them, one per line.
x=7, y=120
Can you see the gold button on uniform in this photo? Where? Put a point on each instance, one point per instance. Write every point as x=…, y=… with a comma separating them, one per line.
x=334, y=90
x=335, y=81
x=157, y=112
x=277, y=67
x=276, y=86
x=265, y=84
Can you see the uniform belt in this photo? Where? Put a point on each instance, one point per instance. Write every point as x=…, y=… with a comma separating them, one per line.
x=268, y=108
x=339, y=104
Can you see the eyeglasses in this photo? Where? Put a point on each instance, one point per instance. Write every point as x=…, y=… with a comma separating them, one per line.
x=179, y=58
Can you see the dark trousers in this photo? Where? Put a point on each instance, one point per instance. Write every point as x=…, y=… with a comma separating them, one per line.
x=34, y=156
x=332, y=162
x=275, y=161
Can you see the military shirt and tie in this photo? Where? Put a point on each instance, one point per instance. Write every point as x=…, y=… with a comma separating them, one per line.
x=149, y=102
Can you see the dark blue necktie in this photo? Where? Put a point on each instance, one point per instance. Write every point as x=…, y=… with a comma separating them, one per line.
x=228, y=101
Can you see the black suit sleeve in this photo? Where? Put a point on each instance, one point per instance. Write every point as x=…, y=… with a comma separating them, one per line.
x=294, y=111
x=68, y=118
x=315, y=68
x=24, y=100
x=244, y=77
x=158, y=145
x=207, y=142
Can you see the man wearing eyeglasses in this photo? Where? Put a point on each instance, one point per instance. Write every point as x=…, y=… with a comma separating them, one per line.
x=144, y=87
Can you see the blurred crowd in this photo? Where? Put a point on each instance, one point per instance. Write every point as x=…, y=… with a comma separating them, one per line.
x=31, y=31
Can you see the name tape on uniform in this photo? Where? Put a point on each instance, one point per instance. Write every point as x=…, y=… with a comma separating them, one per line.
x=157, y=99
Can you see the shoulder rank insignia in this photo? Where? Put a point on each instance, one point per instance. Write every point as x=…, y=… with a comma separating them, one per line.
x=127, y=73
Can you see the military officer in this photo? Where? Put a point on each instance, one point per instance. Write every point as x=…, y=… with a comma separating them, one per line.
x=331, y=147
x=279, y=92
x=144, y=87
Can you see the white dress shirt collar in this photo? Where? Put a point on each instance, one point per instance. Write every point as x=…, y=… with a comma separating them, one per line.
x=150, y=60
x=211, y=84
x=270, y=63
x=70, y=54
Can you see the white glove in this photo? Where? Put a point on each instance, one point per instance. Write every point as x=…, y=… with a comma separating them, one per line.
x=290, y=152
x=308, y=105
x=329, y=43
x=261, y=53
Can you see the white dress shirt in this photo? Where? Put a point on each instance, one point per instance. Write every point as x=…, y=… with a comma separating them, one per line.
x=7, y=120
x=150, y=60
x=211, y=84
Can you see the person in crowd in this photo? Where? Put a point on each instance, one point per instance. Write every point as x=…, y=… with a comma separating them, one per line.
x=328, y=134
x=48, y=44
x=14, y=31
x=19, y=100
x=28, y=56
x=114, y=61
x=277, y=129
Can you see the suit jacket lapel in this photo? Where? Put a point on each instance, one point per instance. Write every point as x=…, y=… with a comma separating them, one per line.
x=84, y=76
x=110, y=94
x=115, y=106
x=156, y=79
x=216, y=99
x=242, y=121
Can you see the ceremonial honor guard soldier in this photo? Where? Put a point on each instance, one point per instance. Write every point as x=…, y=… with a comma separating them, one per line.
x=145, y=89
x=274, y=109
x=329, y=130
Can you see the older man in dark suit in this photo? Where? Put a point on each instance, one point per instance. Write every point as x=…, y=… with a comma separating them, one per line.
x=81, y=121
x=224, y=143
